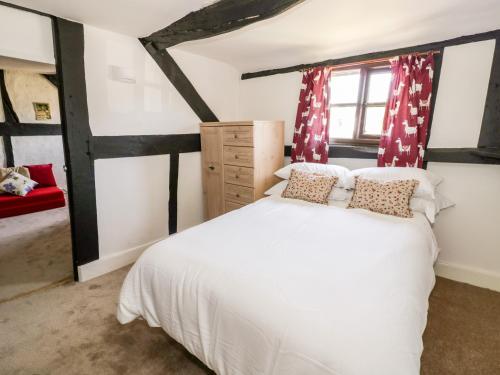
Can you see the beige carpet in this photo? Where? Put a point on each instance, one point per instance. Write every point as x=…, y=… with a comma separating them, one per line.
x=463, y=331
x=35, y=252
x=72, y=329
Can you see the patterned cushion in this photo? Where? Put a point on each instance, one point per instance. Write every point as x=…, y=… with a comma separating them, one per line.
x=309, y=187
x=21, y=170
x=390, y=198
x=5, y=171
x=17, y=184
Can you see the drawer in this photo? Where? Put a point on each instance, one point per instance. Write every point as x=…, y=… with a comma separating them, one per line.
x=231, y=206
x=238, y=175
x=241, y=156
x=239, y=194
x=238, y=135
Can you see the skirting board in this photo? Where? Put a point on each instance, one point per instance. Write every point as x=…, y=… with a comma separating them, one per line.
x=468, y=275
x=111, y=262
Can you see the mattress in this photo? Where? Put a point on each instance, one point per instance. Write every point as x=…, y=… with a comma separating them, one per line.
x=289, y=287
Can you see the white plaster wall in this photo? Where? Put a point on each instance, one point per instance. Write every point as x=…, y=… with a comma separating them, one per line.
x=41, y=150
x=151, y=105
x=190, y=191
x=25, y=88
x=467, y=234
x=463, y=85
x=271, y=98
x=132, y=202
x=27, y=36
x=132, y=193
x=216, y=82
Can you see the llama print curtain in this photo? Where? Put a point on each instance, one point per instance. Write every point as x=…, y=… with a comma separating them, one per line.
x=404, y=134
x=311, y=138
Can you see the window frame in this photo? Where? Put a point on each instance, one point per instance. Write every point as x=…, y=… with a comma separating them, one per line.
x=365, y=69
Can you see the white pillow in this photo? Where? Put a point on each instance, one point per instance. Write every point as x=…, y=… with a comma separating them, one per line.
x=431, y=207
x=324, y=169
x=443, y=202
x=337, y=194
x=425, y=206
x=427, y=180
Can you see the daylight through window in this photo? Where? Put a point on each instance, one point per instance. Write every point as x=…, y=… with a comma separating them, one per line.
x=357, y=103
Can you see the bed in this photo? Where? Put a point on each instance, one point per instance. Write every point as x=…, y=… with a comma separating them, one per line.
x=289, y=287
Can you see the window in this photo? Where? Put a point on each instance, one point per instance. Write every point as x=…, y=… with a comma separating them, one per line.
x=357, y=103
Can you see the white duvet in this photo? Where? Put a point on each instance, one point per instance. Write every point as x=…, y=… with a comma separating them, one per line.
x=287, y=287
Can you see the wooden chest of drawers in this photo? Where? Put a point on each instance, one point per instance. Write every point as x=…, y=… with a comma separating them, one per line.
x=239, y=160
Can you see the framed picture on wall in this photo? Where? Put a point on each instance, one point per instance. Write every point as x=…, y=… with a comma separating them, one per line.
x=42, y=111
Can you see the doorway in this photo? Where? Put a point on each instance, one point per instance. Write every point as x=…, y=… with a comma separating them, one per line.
x=35, y=235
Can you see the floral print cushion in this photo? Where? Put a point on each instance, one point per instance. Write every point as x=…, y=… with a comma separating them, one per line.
x=390, y=198
x=309, y=187
x=17, y=184
x=5, y=171
x=21, y=170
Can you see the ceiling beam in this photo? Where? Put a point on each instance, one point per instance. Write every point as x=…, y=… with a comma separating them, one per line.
x=221, y=17
x=376, y=55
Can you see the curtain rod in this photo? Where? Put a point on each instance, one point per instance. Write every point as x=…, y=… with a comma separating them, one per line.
x=374, y=61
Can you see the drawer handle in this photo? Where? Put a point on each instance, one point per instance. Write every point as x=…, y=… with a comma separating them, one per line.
x=236, y=136
x=236, y=156
x=211, y=167
x=237, y=195
x=236, y=176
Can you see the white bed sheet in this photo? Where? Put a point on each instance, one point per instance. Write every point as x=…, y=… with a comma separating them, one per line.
x=288, y=287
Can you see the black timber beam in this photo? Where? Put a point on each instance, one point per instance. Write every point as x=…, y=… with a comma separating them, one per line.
x=221, y=17
x=69, y=47
x=378, y=55
x=24, y=129
x=8, y=108
x=52, y=78
x=172, y=199
x=10, y=117
x=490, y=128
x=342, y=151
x=463, y=155
x=438, y=155
x=19, y=7
x=9, y=152
x=106, y=147
x=174, y=73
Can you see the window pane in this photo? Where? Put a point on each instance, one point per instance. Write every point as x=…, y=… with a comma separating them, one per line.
x=378, y=86
x=345, y=86
x=342, y=121
x=374, y=119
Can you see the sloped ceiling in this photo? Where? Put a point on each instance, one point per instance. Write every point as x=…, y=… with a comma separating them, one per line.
x=312, y=31
x=317, y=30
x=136, y=18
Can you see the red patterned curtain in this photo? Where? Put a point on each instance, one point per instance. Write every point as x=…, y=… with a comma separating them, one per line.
x=404, y=134
x=311, y=138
